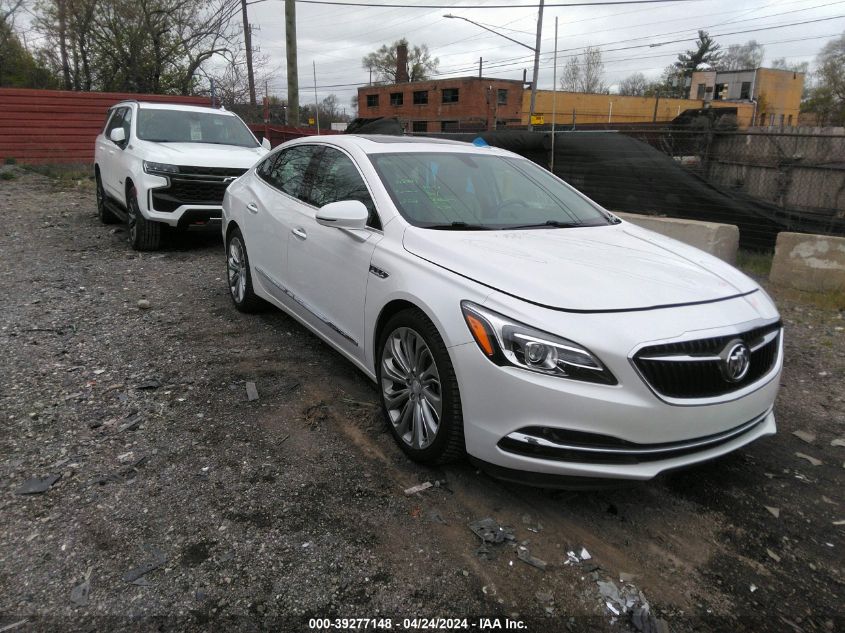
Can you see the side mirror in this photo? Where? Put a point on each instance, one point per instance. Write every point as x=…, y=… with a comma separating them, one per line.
x=118, y=135
x=344, y=214
x=265, y=143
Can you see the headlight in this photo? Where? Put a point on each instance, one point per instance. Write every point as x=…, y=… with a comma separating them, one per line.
x=508, y=342
x=160, y=168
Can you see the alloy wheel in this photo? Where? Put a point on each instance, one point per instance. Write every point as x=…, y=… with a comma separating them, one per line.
x=236, y=267
x=410, y=384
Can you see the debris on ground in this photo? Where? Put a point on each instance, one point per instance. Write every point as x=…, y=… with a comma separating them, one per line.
x=775, y=512
x=143, y=304
x=415, y=489
x=132, y=422
x=585, y=555
x=752, y=588
x=630, y=600
x=491, y=532
x=37, y=485
x=772, y=555
x=842, y=522
x=530, y=524
x=544, y=597
x=525, y=556
x=251, y=391
x=435, y=517
x=148, y=385
x=158, y=559
x=79, y=594
x=805, y=436
x=837, y=442
x=809, y=458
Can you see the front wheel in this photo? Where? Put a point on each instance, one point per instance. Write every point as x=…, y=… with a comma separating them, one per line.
x=238, y=275
x=419, y=391
x=144, y=234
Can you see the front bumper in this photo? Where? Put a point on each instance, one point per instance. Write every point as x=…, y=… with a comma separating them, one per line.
x=622, y=431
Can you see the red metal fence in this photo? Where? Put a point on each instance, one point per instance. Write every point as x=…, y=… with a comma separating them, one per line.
x=278, y=134
x=58, y=126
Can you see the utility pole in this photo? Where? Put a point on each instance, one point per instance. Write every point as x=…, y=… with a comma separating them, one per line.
x=536, y=65
x=248, y=45
x=293, y=72
x=480, y=66
x=316, y=101
x=554, y=103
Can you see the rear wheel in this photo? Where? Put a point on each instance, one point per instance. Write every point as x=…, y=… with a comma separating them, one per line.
x=144, y=235
x=419, y=391
x=103, y=212
x=238, y=275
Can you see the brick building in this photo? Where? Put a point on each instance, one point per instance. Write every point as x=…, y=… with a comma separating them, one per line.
x=446, y=105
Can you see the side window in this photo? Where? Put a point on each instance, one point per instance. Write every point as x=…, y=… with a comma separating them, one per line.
x=287, y=172
x=265, y=167
x=127, y=121
x=337, y=179
x=115, y=121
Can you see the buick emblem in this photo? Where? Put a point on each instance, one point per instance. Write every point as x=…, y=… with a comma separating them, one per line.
x=735, y=361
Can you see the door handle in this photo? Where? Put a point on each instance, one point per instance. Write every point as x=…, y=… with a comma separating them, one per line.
x=300, y=233
x=252, y=207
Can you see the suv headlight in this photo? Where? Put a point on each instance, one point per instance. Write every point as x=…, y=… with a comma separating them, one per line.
x=508, y=342
x=160, y=168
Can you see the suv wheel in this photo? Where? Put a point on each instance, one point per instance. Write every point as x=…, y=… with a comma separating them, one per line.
x=103, y=212
x=238, y=275
x=144, y=235
x=419, y=390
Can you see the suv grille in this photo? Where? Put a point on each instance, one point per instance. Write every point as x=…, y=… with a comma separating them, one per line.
x=693, y=369
x=194, y=185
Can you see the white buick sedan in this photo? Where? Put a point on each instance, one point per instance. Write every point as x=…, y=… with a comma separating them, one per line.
x=501, y=313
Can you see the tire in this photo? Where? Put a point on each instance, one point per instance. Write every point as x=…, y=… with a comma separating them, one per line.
x=238, y=275
x=103, y=212
x=409, y=418
x=144, y=235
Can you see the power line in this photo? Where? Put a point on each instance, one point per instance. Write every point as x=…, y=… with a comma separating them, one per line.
x=486, y=6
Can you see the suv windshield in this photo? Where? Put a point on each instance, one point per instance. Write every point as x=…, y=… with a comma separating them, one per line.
x=463, y=191
x=185, y=126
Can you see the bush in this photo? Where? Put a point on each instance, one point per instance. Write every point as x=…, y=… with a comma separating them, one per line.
x=7, y=175
x=11, y=161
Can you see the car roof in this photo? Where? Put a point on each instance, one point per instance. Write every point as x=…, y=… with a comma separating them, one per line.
x=148, y=105
x=384, y=144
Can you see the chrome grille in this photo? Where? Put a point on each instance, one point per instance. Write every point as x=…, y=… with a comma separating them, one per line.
x=692, y=369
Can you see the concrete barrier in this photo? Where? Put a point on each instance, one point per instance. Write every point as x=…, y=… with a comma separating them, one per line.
x=721, y=240
x=809, y=262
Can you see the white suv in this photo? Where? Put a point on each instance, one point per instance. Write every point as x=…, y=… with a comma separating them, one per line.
x=163, y=164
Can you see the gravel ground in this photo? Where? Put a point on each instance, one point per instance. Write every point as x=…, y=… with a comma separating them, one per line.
x=182, y=505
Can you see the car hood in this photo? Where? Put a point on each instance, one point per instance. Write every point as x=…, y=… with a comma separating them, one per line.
x=203, y=154
x=590, y=269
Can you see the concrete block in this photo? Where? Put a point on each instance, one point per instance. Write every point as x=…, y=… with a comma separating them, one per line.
x=809, y=262
x=721, y=240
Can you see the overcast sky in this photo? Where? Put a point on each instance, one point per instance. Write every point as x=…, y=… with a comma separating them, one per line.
x=336, y=38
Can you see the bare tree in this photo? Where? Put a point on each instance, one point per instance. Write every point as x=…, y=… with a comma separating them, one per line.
x=421, y=65
x=634, y=85
x=827, y=97
x=780, y=63
x=742, y=56
x=584, y=74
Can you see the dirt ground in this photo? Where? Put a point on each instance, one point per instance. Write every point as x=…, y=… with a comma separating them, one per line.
x=263, y=514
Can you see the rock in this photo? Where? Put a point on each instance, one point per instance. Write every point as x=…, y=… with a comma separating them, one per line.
x=775, y=512
x=37, y=485
x=838, y=442
x=809, y=458
x=805, y=436
x=251, y=391
x=143, y=304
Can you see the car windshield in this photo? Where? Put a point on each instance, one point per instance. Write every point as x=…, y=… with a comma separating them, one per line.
x=463, y=191
x=185, y=126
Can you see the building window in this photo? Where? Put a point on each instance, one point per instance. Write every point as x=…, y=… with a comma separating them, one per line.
x=420, y=97
x=449, y=126
x=396, y=98
x=789, y=121
x=719, y=93
x=419, y=126
x=502, y=96
x=372, y=101
x=745, y=90
x=450, y=95
x=700, y=92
